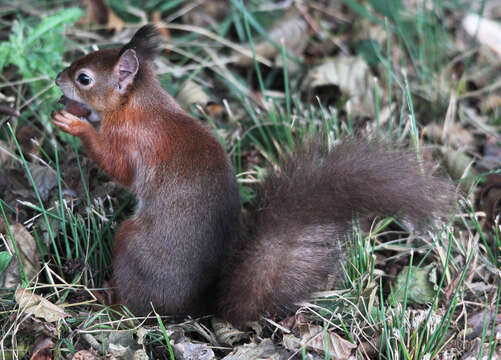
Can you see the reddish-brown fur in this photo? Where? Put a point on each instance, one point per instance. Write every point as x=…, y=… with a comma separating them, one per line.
x=168, y=254
x=185, y=233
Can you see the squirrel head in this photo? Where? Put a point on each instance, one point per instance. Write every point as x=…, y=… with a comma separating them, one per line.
x=104, y=80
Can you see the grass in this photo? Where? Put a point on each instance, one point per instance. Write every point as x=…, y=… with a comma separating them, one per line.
x=73, y=234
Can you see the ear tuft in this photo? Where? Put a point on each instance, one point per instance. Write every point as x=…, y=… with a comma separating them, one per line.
x=126, y=69
x=145, y=42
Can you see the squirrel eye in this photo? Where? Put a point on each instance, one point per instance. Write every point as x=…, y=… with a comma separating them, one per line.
x=84, y=79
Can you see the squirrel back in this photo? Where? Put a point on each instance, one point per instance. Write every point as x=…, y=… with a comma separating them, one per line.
x=185, y=237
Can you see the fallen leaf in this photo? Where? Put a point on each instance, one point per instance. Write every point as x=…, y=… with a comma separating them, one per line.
x=5, y=258
x=8, y=110
x=490, y=197
x=486, y=32
x=100, y=13
x=73, y=172
x=452, y=132
x=4, y=157
x=97, y=12
x=42, y=349
x=206, y=14
x=264, y=350
x=475, y=347
x=456, y=135
x=30, y=257
x=214, y=110
x=122, y=344
x=114, y=22
x=26, y=135
x=14, y=189
x=490, y=102
x=85, y=355
x=191, y=93
x=187, y=350
x=353, y=77
x=420, y=286
x=491, y=159
x=156, y=19
x=226, y=333
x=321, y=341
x=291, y=29
x=459, y=167
x=482, y=320
x=45, y=179
x=118, y=344
x=38, y=306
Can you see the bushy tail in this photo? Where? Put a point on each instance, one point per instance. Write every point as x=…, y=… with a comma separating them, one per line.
x=304, y=212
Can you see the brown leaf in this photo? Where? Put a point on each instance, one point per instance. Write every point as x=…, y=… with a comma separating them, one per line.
x=42, y=349
x=114, y=22
x=100, y=13
x=475, y=347
x=206, y=13
x=214, y=110
x=490, y=102
x=7, y=110
x=15, y=187
x=456, y=135
x=459, y=166
x=30, y=256
x=97, y=12
x=4, y=157
x=191, y=93
x=490, y=197
x=226, y=333
x=351, y=75
x=265, y=350
x=164, y=32
x=292, y=29
x=38, y=306
x=317, y=339
x=45, y=179
x=85, y=355
x=480, y=320
x=491, y=159
x=25, y=136
x=73, y=172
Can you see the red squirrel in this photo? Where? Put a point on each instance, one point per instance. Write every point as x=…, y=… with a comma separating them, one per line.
x=185, y=250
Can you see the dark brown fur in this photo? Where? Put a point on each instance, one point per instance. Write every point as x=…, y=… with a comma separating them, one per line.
x=305, y=211
x=171, y=252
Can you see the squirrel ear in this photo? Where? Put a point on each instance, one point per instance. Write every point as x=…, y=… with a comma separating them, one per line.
x=126, y=70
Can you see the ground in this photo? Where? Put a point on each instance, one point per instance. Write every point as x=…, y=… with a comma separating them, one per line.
x=423, y=75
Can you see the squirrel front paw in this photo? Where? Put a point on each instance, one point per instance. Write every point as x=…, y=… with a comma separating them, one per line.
x=70, y=123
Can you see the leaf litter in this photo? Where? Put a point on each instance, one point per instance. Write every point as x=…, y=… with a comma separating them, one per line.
x=330, y=49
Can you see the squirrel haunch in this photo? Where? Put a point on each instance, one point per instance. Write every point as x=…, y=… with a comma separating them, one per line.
x=184, y=246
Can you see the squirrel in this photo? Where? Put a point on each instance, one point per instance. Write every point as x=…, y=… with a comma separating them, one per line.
x=187, y=249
